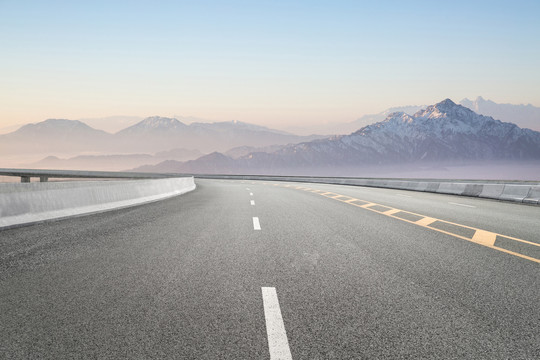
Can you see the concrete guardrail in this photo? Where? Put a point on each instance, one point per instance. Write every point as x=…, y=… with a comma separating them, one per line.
x=26, y=203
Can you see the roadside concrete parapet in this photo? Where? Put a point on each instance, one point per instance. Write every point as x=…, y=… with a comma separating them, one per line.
x=515, y=192
x=533, y=197
x=25, y=203
x=526, y=192
x=451, y=188
x=491, y=191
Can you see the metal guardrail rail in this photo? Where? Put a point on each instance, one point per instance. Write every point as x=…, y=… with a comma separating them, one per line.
x=45, y=175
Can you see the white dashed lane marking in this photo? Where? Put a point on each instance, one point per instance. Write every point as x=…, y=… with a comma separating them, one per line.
x=256, y=224
x=275, y=328
x=458, y=204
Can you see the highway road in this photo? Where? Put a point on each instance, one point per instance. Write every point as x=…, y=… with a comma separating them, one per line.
x=267, y=270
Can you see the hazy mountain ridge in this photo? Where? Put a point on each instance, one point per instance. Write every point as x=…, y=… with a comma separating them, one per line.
x=525, y=116
x=240, y=151
x=62, y=137
x=54, y=135
x=444, y=132
x=113, y=162
x=159, y=134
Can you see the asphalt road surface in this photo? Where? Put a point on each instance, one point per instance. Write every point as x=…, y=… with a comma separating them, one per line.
x=260, y=270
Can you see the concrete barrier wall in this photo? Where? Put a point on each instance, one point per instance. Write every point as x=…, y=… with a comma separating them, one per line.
x=527, y=193
x=24, y=203
x=533, y=197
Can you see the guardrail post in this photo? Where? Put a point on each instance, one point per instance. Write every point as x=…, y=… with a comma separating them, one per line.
x=43, y=178
x=25, y=179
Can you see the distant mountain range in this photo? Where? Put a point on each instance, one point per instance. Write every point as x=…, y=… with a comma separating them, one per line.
x=442, y=133
x=151, y=135
x=113, y=162
x=525, y=116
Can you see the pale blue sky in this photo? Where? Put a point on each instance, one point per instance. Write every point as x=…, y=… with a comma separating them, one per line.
x=269, y=62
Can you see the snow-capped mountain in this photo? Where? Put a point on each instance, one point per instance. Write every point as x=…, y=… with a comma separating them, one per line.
x=525, y=116
x=444, y=132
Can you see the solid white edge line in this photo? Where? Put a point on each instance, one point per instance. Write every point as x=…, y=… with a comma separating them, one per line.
x=256, y=224
x=252, y=202
x=470, y=206
x=275, y=328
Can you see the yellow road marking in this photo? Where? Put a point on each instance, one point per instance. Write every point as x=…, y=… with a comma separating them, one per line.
x=391, y=211
x=326, y=193
x=481, y=237
x=426, y=221
x=365, y=206
x=484, y=237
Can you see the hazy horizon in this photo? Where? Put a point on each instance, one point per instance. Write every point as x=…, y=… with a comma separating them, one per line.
x=278, y=64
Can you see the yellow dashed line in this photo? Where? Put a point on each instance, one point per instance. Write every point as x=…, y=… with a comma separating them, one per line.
x=391, y=212
x=481, y=237
x=365, y=206
x=326, y=193
x=426, y=221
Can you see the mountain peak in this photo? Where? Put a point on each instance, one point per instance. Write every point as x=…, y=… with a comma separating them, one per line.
x=480, y=99
x=445, y=109
x=154, y=123
x=53, y=125
x=160, y=122
x=60, y=123
x=445, y=104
